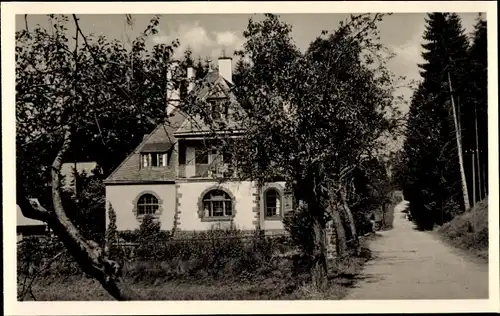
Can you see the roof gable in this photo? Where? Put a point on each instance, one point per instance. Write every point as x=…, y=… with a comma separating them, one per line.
x=212, y=86
x=160, y=138
x=163, y=137
x=25, y=221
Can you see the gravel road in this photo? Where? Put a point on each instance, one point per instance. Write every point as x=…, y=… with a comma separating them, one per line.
x=410, y=264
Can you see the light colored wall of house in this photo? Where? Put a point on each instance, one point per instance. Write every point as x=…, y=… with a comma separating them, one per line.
x=189, y=194
x=123, y=197
x=273, y=225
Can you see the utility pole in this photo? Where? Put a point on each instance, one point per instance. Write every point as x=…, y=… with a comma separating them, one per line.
x=459, y=148
x=473, y=179
x=485, y=183
x=480, y=187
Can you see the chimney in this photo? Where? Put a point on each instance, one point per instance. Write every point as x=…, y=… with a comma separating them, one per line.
x=226, y=68
x=190, y=78
x=208, y=61
x=173, y=94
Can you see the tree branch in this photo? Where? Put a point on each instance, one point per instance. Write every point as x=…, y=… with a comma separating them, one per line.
x=26, y=23
x=88, y=255
x=29, y=286
x=87, y=45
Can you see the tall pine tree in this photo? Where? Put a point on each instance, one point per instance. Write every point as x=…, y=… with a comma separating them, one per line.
x=433, y=182
x=477, y=100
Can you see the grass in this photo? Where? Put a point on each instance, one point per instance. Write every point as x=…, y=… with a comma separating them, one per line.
x=76, y=288
x=277, y=285
x=469, y=231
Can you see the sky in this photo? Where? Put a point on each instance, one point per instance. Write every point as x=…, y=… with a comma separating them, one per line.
x=208, y=35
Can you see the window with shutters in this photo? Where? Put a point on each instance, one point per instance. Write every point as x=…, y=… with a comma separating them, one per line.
x=154, y=160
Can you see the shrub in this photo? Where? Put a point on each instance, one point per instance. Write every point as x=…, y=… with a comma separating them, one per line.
x=469, y=230
x=35, y=256
x=149, y=239
x=214, y=254
x=299, y=224
x=112, y=236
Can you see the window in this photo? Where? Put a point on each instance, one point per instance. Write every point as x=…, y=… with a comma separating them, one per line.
x=147, y=205
x=227, y=157
x=154, y=160
x=272, y=203
x=217, y=203
x=218, y=108
x=201, y=156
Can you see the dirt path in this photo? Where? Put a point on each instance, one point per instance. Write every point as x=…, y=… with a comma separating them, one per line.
x=410, y=264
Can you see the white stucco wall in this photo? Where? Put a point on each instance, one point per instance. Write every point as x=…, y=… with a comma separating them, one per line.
x=190, y=192
x=122, y=197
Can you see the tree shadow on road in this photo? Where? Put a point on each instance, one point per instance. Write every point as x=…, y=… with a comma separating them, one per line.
x=349, y=278
x=353, y=281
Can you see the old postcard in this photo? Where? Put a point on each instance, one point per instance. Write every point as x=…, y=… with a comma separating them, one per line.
x=250, y=157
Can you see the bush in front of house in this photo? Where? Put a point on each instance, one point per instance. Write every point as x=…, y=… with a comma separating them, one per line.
x=299, y=225
x=215, y=254
x=218, y=254
x=44, y=256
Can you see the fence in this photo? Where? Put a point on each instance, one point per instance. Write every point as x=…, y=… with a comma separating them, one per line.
x=186, y=243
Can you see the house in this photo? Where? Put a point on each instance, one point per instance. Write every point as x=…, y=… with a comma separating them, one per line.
x=29, y=227
x=173, y=175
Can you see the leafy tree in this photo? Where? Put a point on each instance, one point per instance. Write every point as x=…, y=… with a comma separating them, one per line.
x=371, y=191
x=86, y=207
x=310, y=118
x=90, y=89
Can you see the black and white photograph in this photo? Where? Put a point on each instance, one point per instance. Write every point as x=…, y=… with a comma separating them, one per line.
x=250, y=156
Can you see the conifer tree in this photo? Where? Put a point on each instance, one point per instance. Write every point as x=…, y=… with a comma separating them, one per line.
x=433, y=178
x=477, y=99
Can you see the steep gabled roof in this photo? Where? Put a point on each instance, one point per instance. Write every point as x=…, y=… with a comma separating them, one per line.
x=212, y=86
x=163, y=136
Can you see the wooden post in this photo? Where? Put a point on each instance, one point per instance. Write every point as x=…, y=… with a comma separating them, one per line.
x=485, y=183
x=459, y=148
x=473, y=179
x=480, y=187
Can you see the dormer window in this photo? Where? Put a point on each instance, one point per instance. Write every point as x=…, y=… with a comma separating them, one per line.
x=217, y=109
x=155, y=155
x=155, y=160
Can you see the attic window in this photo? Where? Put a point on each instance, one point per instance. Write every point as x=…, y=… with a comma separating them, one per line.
x=154, y=160
x=217, y=108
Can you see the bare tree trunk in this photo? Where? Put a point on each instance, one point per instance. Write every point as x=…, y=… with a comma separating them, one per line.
x=87, y=253
x=319, y=272
x=350, y=220
x=459, y=148
x=333, y=210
